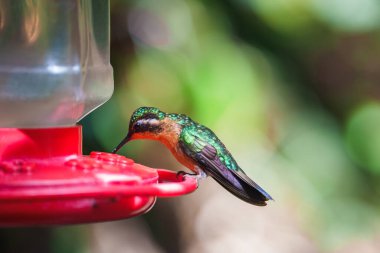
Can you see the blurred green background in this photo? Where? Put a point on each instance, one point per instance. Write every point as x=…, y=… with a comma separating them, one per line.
x=290, y=86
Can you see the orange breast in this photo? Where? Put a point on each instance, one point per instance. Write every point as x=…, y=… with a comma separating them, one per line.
x=170, y=137
x=184, y=159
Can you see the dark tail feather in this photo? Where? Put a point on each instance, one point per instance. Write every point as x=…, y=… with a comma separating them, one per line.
x=247, y=192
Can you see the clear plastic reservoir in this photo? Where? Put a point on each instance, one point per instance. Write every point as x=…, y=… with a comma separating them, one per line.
x=54, y=61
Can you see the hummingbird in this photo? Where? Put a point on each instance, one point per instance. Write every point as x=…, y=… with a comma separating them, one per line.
x=197, y=148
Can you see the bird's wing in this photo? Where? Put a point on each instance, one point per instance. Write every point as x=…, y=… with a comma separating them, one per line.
x=234, y=180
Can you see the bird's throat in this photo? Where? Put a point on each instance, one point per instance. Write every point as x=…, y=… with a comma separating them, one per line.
x=170, y=133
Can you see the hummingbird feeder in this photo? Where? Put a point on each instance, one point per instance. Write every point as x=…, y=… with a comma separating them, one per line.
x=54, y=70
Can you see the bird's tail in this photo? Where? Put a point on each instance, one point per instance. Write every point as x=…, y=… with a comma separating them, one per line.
x=248, y=191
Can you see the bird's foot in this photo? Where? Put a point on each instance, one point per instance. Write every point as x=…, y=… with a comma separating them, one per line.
x=198, y=176
x=181, y=174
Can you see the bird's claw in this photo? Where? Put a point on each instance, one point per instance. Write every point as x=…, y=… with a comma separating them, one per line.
x=181, y=174
x=198, y=176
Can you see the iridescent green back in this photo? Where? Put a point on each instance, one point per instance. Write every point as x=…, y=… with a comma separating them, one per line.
x=191, y=129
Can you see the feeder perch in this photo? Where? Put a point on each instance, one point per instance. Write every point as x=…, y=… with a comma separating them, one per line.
x=54, y=70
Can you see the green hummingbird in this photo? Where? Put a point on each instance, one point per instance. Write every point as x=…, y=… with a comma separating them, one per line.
x=196, y=147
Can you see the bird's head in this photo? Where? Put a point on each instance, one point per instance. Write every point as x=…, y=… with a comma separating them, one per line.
x=145, y=123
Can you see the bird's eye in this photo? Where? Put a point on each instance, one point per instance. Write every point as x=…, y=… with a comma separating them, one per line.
x=139, y=126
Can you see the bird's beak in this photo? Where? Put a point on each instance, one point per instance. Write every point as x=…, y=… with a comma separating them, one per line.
x=123, y=142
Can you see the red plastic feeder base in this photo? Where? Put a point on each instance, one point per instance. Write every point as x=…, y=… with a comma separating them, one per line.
x=44, y=179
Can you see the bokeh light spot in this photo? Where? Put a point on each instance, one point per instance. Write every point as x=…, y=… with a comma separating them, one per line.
x=349, y=15
x=363, y=136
